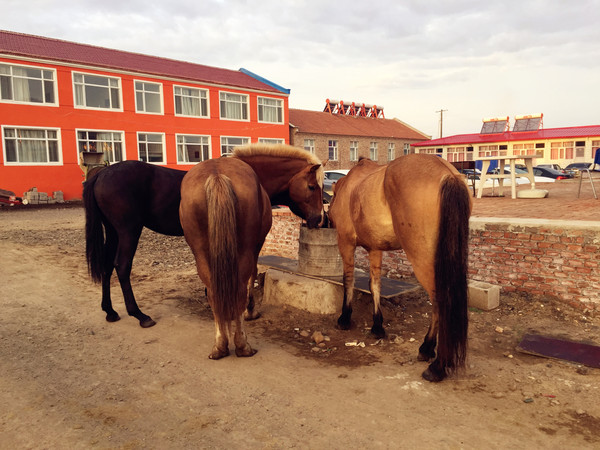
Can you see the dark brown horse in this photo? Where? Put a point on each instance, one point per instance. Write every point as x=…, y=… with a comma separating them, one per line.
x=122, y=199
x=421, y=204
x=225, y=213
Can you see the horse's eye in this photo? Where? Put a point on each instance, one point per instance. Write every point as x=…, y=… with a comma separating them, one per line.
x=311, y=187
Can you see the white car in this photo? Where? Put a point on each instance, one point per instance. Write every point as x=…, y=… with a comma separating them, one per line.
x=331, y=176
x=519, y=179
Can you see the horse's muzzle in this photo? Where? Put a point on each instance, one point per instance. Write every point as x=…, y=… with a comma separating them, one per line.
x=314, y=222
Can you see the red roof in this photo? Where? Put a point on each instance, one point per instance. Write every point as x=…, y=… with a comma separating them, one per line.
x=341, y=125
x=548, y=133
x=25, y=45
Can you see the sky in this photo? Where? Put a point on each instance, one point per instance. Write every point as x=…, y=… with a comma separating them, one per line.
x=470, y=59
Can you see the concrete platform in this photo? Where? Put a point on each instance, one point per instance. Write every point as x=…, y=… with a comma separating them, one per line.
x=389, y=287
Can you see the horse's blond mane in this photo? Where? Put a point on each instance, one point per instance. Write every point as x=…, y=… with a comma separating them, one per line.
x=280, y=150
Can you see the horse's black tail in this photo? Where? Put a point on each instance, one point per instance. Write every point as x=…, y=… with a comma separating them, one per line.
x=94, y=232
x=222, y=238
x=451, y=265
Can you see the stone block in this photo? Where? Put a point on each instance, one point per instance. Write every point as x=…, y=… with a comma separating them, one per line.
x=302, y=292
x=483, y=295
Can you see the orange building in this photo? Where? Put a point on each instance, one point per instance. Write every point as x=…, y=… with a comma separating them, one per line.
x=59, y=99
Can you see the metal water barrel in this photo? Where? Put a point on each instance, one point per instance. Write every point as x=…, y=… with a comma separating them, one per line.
x=318, y=253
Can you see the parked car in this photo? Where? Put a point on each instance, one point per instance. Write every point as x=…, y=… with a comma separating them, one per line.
x=9, y=198
x=551, y=173
x=522, y=179
x=331, y=177
x=577, y=167
x=557, y=167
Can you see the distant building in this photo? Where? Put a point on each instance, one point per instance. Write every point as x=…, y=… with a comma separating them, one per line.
x=528, y=137
x=59, y=99
x=342, y=134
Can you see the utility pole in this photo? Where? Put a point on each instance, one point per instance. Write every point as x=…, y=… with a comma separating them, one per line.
x=441, y=111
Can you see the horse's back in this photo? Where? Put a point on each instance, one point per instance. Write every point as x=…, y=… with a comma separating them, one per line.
x=253, y=208
x=135, y=193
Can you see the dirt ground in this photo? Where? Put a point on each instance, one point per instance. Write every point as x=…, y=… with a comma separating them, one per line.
x=69, y=379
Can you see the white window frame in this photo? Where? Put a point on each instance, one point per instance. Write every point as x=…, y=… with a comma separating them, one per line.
x=273, y=141
x=309, y=146
x=42, y=79
x=353, y=151
x=180, y=142
x=332, y=149
x=140, y=134
x=406, y=148
x=19, y=141
x=110, y=152
x=141, y=109
x=391, y=151
x=225, y=145
x=373, y=151
x=264, y=109
x=203, y=100
x=243, y=104
x=76, y=84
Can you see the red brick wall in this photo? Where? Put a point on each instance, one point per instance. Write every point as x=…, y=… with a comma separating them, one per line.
x=549, y=258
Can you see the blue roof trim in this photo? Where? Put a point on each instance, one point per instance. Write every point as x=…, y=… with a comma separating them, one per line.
x=264, y=80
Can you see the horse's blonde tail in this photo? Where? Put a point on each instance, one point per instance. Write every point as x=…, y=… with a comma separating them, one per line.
x=451, y=265
x=222, y=239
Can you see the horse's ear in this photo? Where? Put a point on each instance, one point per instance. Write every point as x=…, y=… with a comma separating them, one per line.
x=324, y=163
x=315, y=167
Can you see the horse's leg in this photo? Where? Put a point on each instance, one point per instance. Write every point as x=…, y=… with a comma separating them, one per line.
x=221, y=348
x=251, y=313
x=110, y=250
x=124, y=259
x=375, y=257
x=347, y=253
x=242, y=348
x=427, y=348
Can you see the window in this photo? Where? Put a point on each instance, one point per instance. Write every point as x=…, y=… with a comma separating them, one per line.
x=271, y=141
x=406, y=148
x=270, y=110
x=233, y=106
x=309, y=145
x=96, y=91
x=333, y=150
x=31, y=146
x=108, y=142
x=192, y=149
x=228, y=143
x=191, y=102
x=353, y=150
x=151, y=147
x=27, y=85
x=373, y=151
x=561, y=150
x=391, y=151
x=148, y=97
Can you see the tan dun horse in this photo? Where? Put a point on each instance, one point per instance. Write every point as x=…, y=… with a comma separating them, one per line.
x=421, y=204
x=225, y=214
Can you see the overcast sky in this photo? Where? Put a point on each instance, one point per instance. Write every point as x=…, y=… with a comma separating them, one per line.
x=474, y=59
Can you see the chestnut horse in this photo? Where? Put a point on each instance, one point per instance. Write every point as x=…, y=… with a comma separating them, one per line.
x=225, y=213
x=421, y=204
x=121, y=199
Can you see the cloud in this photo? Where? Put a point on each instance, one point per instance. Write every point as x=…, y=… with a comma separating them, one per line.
x=475, y=59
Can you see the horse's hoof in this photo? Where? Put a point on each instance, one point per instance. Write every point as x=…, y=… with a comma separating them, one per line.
x=251, y=315
x=433, y=376
x=112, y=317
x=218, y=354
x=245, y=352
x=343, y=323
x=147, y=323
x=378, y=332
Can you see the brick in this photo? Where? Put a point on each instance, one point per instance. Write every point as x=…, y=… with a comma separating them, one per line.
x=483, y=295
